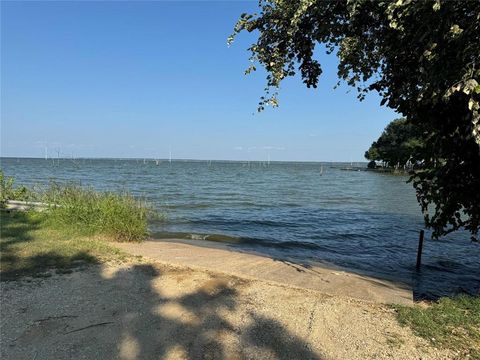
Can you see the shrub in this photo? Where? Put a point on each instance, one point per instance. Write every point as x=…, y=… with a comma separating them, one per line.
x=9, y=192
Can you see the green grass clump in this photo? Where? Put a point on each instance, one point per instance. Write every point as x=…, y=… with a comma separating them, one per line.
x=452, y=323
x=119, y=216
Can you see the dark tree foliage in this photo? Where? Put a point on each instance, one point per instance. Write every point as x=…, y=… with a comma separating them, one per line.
x=397, y=145
x=422, y=57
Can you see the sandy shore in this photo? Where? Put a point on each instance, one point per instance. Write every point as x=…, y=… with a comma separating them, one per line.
x=153, y=311
x=217, y=257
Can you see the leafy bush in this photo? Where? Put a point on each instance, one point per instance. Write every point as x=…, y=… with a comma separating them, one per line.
x=9, y=192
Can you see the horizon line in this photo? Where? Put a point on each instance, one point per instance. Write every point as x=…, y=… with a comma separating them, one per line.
x=180, y=159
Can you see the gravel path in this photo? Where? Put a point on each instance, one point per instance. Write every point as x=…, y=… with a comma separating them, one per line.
x=147, y=311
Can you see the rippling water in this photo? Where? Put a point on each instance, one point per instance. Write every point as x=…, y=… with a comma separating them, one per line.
x=305, y=212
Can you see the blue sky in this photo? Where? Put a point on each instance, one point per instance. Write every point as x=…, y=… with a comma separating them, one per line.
x=136, y=79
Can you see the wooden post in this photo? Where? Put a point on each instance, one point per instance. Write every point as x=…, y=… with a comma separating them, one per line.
x=420, y=247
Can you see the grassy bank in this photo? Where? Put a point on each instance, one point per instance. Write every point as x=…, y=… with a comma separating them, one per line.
x=72, y=208
x=452, y=323
x=73, y=228
x=30, y=245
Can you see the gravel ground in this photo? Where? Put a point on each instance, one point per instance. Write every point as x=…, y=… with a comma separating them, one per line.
x=145, y=311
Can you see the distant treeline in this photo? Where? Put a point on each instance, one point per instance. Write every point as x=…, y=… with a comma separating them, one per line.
x=396, y=147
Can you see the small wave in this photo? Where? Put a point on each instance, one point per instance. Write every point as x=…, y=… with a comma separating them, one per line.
x=193, y=236
x=232, y=222
x=188, y=206
x=445, y=266
x=242, y=240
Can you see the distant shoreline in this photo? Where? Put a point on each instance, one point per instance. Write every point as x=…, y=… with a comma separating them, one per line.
x=187, y=160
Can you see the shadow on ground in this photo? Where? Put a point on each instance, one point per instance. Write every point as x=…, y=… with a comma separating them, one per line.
x=436, y=278
x=139, y=313
x=17, y=229
x=136, y=312
x=429, y=283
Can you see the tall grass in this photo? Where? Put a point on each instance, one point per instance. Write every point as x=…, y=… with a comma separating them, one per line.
x=117, y=215
x=71, y=207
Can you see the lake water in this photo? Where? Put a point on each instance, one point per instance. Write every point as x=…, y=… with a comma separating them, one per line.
x=306, y=212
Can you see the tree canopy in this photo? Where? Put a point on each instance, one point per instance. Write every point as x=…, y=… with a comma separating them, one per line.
x=422, y=57
x=397, y=145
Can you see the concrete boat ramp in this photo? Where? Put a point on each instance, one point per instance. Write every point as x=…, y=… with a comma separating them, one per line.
x=220, y=258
